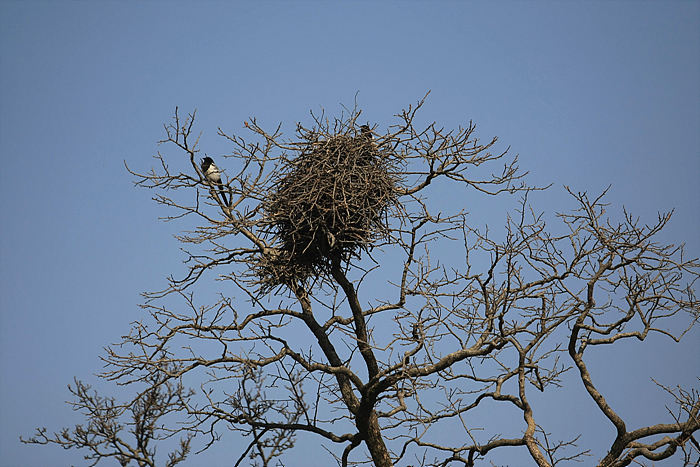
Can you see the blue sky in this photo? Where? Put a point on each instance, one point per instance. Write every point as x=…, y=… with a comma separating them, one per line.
x=587, y=93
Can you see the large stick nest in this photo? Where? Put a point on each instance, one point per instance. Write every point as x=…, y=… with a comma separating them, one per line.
x=328, y=204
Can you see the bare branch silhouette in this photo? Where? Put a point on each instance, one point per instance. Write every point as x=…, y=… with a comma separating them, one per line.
x=301, y=339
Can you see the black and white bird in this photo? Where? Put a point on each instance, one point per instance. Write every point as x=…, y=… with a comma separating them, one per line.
x=213, y=175
x=417, y=331
x=366, y=132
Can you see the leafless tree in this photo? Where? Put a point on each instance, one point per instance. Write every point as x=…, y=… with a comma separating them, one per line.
x=303, y=340
x=103, y=436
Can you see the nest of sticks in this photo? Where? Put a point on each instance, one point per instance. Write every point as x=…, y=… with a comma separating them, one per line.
x=327, y=205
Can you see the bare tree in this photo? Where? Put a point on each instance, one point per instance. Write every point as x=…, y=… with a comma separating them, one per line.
x=303, y=339
x=103, y=436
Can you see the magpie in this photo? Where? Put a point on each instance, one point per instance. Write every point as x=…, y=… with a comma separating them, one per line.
x=366, y=132
x=417, y=331
x=213, y=175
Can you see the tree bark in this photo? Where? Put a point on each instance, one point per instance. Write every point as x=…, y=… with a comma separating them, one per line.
x=368, y=426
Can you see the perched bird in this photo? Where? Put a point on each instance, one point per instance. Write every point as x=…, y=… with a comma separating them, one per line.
x=368, y=147
x=366, y=131
x=417, y=331
x=213, y=175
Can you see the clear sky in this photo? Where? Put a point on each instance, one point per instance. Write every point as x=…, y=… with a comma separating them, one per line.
x=588, y=93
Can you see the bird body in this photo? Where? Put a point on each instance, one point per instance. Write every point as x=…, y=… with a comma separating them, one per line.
x=366, y=131
x=213, y=175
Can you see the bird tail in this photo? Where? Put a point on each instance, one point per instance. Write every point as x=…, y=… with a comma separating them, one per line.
x=222, y=193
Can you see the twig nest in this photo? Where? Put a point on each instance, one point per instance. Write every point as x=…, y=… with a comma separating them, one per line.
x=328, y=204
